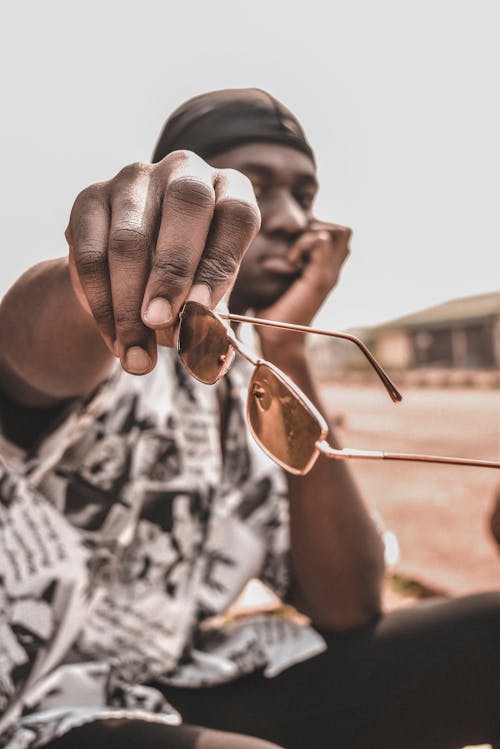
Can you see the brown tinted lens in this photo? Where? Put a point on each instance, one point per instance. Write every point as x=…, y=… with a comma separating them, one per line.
x=203, y=344
x=280, y=423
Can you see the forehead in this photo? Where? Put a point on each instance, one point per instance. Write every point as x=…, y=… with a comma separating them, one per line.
x=273, y=161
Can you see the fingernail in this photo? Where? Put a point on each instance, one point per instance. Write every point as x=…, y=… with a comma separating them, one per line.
x=137, y=360
x=201, y=293
x=159, y=312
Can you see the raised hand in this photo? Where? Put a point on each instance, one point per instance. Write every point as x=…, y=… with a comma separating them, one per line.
x=320, y=253
x=150, y=238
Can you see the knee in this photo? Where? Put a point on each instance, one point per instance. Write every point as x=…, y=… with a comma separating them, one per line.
x=477, y=628
x=483, y=609
x=209, y=739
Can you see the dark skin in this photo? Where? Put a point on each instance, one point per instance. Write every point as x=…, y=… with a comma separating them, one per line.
x=286, y=274
x=154, y=233
x=178, y=230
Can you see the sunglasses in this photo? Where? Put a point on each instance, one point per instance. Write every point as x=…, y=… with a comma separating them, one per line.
x=282, y=419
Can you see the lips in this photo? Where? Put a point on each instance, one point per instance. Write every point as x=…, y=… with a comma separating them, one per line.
x=280, y=266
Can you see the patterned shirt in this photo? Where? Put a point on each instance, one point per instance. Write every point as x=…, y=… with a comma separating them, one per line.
x=123, y=534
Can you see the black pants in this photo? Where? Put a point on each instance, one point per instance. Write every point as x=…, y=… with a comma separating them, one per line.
x=423, y=677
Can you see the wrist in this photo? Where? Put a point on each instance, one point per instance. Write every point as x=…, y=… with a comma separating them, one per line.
x=288, y=356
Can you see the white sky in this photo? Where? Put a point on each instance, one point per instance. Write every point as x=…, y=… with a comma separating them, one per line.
x=400, y=99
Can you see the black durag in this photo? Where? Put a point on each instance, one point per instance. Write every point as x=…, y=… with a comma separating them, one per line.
x=220, y=120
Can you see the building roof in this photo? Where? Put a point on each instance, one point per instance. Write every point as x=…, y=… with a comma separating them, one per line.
x=464, y=309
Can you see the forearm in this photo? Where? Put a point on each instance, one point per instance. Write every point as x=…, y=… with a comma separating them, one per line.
x=50, y=348
x=337, y=551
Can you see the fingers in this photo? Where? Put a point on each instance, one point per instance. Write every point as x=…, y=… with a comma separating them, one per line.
x=341, y=237
x=111, y=232
x=236, y=221
x=322, y=233
x=336, y=231
x=321, y=251
x=209, y=217
x=131, y=241
x=150, y=238
x=87, y=235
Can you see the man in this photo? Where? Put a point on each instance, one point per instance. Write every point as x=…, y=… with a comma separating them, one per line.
x=135, y=508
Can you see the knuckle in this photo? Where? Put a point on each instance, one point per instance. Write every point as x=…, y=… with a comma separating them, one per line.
x=217, y=268
x=90, y=262
x=125, y=238
x=191, y=191
x=184, y=158
x=342, y=233
x=177, y=162
x=185, y=155
x=178, y=157
x=90, y=194
x=173, y=268
x=242, y=215
x=127, y=316
x=102, y=311
x=131, y=172
x=84, y=206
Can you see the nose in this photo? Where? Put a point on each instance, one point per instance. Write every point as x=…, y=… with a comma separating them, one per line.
x=284, y=215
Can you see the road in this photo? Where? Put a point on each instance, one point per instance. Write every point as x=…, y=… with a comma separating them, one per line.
x=439, y=513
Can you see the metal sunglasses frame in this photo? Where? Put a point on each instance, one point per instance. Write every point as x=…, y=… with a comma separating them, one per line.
x=321, y=445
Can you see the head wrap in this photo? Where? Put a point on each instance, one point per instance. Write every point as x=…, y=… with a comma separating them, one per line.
x=220, y=120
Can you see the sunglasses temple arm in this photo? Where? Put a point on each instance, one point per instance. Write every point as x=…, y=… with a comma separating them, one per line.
x=395, y=395
x=351, y=454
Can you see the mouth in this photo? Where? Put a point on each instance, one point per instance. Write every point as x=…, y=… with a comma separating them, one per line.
x=280, y=266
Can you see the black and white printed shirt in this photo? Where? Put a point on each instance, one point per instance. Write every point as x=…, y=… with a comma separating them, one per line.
x=120, y=536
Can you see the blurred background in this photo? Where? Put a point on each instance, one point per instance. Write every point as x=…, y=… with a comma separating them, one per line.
x=400, y=101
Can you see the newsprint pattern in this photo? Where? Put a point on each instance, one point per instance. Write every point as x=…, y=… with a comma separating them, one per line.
x=119, y=535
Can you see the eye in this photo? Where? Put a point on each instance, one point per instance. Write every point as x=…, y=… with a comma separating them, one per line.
x=305, y=199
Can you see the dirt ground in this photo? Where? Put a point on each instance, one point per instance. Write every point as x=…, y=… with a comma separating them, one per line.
x=439, y=513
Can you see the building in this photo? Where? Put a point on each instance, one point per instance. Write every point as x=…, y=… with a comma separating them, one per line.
x=460, y=334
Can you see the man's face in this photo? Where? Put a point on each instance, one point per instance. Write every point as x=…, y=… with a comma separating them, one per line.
x=285, y=184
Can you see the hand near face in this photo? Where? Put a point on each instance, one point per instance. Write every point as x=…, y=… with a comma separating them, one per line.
x=320, y=253
x=494, y=517
x=152, y=237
